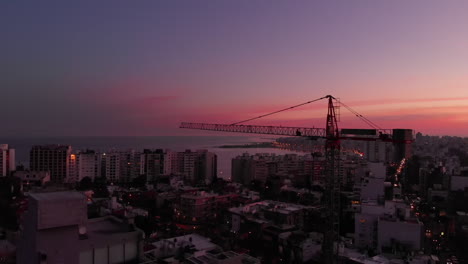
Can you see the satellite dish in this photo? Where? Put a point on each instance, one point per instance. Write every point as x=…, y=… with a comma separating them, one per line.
x=82, y=230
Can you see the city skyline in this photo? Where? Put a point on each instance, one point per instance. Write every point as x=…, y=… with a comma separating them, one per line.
x=139, y=69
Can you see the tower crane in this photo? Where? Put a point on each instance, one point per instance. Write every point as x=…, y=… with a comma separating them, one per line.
x=332, y=135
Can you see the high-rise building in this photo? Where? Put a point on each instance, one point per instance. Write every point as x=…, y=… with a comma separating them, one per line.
x=119, y=166
x=7, y=160
x=84, y=164
x=52, y=158
x=174, y=163
x=189, y=167
x=248, y=168
x=207, y=167
x=170, y=160
x=130, y=162
x=72, y=175
x=196, y=167
x=303, y=169
x=111, y=166
x=372, y=184
x=115, y=166
x=402, y=143
x=152, y=164
x=88, y=165
x=378, y=151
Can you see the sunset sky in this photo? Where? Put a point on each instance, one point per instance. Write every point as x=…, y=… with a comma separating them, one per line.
x=128, y=68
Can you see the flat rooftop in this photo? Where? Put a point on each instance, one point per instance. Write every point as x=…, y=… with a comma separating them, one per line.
x=199, y=242
x=53, y=196
x=223, y=257
x=106, y=225
x=268, y=205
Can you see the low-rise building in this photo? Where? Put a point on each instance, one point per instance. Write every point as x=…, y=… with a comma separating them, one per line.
x=196, y=244
x=201, y=207
x=352, y=256
x=269, y=213
x=7, y=252
x=194, y=249
x=406, y=233
x=55, y=229
x=299, y=247
x=31, y=179
x=228, y=257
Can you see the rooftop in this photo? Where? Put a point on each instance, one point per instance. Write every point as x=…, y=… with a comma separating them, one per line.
x=51, y=196
x=199, y=242
x=268, y=205
x=52, y=147
x=107, y=225
x=223, y=257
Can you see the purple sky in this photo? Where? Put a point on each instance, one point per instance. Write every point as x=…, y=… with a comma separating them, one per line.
x=85, y=68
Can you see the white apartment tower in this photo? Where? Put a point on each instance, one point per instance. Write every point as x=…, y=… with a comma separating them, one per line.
x=111, y=166
x=88, y=165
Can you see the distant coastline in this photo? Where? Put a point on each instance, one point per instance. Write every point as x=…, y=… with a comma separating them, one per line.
x=251, y=145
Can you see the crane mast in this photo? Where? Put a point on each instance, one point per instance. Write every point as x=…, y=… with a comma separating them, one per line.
x=333, y=185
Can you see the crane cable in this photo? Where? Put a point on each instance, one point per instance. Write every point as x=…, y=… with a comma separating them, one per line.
x=364, y=119
x=275, y=112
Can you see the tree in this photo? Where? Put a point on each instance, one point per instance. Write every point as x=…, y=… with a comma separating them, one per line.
x=139, y=181
x=100, y=187
x=10, y=195
x=85, y=184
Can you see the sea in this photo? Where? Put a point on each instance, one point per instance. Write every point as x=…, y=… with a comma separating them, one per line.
x=23, y=146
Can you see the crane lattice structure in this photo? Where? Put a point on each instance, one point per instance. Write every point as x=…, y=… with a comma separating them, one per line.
x=332, y=135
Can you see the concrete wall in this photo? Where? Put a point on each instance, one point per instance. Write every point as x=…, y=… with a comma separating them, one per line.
x=459, y=183
x=407, y=233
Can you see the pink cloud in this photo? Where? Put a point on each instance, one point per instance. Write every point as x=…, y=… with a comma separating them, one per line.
x=383, y=108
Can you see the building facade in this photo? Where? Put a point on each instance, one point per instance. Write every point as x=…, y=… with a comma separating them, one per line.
x=55, y=230
x=152, y=164
x=7, y=160
x=32, y=179
x=110, y=163
x=196, y=167
x=52, y=158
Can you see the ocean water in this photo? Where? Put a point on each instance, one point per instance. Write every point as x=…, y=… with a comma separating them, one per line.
x=175, y=143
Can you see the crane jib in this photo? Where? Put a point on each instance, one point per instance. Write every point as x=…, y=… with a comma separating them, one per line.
x=314, y=133
x=271, y=130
